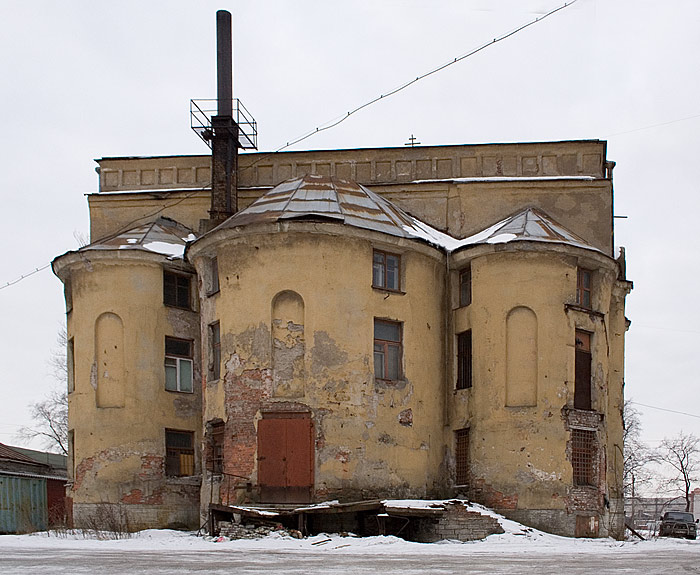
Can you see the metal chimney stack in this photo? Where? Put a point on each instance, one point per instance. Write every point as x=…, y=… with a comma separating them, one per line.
x=224, y=141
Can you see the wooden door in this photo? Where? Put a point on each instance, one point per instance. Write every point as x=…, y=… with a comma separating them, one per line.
x=285, y=457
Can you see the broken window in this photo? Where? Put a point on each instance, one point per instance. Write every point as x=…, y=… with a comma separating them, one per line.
x=387, y=350
x=216, y=447
x=582, y=382
x=215, y=351
x=465, y=287
x=464, y=359
x=213, y=279
x=179, y=453
x=583, y=450
x=176, y=290
x=462, y=457
x=386, y=271
x=70, y=365
x=178, y=364
x=583, y=288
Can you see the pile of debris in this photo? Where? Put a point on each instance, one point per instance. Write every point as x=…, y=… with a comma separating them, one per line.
x=233, y=530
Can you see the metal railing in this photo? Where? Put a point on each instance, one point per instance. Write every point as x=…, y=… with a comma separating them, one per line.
x=202, y=112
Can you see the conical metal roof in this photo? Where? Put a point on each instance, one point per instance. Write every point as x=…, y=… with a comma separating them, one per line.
x=315, y=197
x=163, y=236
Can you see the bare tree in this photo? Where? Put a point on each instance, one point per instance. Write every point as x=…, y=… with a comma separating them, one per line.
x=50, y=415
x=681, y=454
x=637, y=455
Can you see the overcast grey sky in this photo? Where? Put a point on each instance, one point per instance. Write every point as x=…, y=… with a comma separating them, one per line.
x=86, y=79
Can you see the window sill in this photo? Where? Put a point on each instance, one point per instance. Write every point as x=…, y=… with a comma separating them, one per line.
x=213, y=381
x=178, y=307
x=179, y=391
x=213, y=293
x=390, y=382
x=388, y=291
x=194, y=480
x=586, y=310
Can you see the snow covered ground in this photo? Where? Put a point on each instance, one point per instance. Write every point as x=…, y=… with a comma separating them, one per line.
x=518, y=550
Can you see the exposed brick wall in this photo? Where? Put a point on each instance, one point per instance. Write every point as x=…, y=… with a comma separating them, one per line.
x=457, y=522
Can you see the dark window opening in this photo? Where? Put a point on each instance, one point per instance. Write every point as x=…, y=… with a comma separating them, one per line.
x=179, y=453
x=583, y=450
x=583, y=288
x=387, y=350
x=70, y=364
x=464, y=359
x=176, y=290
x=178, y=364
x=215, y=351
x=386, y=271
x=465, y=287
x=582, y=382
x=462, y=457
x=213, y=276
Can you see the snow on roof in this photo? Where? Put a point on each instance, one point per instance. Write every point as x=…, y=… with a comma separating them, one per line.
x=163, y=236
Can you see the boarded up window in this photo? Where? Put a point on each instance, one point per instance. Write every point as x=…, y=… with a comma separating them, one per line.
x=521, y=358
x=215, y=457
x=583, y=451
x=464, y=359
x=462, y=457
x=582, y=383
x=179, y=453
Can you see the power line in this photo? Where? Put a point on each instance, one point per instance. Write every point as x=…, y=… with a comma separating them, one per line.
x=654, y=126
x=664, y=409
x=333, y=123
x=24, y=276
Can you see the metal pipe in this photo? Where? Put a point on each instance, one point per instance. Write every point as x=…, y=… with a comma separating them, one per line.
x=224, y=63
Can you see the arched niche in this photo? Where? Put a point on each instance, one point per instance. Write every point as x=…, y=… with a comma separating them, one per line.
x=288, y=344
x=521, y=358
x=109, y=360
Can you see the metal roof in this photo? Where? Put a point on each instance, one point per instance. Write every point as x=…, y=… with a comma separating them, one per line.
x=163, y=236
x=315, y=197
x=530, y=224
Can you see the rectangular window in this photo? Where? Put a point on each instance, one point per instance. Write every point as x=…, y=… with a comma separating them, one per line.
x=176, y=290
x=387, y=350
x=178, y=364
x=213, y=286
x=582, y=382
x=215, y=351
x=583, y=451
x=70, y=365
x=583, y=288
x=462, y=457
x=179, y=453
x=216, y=447
x=464, y=359
x=465, y=287
x=386, y=271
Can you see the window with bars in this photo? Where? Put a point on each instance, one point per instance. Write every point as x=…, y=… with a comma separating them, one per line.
x=387, y=350
x=214, y=351
x=464, y=359
x=465, y=287
x=583, y=288
x=583, y=451
x=176, y=290
x=179, y=453
x=462, y=457
x=386, y=271
x=178, y=364
x=216, y=447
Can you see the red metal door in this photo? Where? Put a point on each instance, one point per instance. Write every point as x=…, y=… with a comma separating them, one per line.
x=285, y=457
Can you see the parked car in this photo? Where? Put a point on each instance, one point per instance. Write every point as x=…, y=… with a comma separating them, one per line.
x=678, y=524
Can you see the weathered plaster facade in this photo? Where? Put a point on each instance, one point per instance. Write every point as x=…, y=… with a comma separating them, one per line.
x=295, y=388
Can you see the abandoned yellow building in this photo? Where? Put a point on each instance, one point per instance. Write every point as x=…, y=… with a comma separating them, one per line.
x=297, y=327
x=426, y=322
